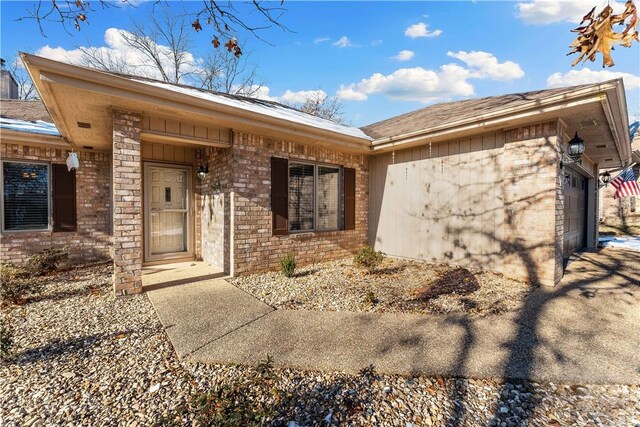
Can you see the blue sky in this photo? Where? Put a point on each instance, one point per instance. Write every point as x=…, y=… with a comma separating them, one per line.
x=452, y=50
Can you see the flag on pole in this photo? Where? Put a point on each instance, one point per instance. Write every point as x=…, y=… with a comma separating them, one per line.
x=625, y=185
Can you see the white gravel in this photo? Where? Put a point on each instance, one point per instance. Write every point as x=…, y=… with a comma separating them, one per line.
x=84, y=358
x=393, y=287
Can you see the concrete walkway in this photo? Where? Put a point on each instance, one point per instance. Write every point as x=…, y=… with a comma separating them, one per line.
x=585, y=330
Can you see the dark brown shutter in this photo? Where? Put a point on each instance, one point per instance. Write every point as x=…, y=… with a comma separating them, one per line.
x=349, y=199
x=64, y=198
x=280, y=196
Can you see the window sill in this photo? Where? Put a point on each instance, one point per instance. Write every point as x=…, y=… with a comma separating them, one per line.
x=40, y=230
x=298, y=233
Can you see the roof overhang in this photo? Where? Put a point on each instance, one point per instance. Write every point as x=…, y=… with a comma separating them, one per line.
x=606, y=101
x=18, y=137
x=59, y=83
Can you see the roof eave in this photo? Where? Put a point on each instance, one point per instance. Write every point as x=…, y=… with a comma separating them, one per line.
x=493, y=119
x=11, y=136
x=50, y=69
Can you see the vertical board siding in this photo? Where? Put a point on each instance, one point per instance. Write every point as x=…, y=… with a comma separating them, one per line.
x=441, y=203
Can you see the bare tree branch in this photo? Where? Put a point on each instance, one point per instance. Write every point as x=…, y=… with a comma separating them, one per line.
x=226, y=20
x=26, y=88
x=321, y=105
x=223, y=71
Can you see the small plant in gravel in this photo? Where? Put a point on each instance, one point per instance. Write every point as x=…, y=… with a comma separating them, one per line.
x=288, y=265
x=6, y=338
x=370, y=298
x=17, y=283
x=367, y=258
x=250, y=399
x=47, y=261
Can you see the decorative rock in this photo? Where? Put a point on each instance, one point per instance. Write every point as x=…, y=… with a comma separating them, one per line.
x=71, y=370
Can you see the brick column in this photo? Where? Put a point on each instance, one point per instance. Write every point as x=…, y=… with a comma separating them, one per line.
x=127, y=203
x=534, y=208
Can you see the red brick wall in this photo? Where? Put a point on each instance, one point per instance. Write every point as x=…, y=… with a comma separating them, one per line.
x=254, y=247
x=92, y=240
x=212, y=218
x=127, y=203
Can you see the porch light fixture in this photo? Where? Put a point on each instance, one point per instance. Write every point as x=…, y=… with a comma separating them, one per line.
x=606, y=178
x=574, y=151
x=202, y=172
x=72, y=161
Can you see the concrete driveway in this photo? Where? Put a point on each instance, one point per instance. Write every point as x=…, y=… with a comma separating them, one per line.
x=585, y=330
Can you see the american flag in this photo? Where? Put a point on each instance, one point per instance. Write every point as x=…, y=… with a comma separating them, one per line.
x=625, y=185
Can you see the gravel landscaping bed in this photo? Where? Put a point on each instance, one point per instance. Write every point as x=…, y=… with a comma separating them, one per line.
x=83, y=357
x=396, y=286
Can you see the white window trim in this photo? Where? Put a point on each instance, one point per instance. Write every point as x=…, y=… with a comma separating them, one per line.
x=49, y=195
x=316, y=165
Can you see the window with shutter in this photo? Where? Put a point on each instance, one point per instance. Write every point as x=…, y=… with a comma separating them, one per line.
x=328, y=192
x=64, y=198
x=279, y=196
x=25, y=196
x=349, y=199
x=301, y=197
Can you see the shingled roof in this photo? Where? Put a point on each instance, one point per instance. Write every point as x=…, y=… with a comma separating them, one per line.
x=28, y=110
x=449, y=112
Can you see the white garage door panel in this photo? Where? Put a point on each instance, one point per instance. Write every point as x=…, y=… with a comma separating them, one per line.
x=442, y=204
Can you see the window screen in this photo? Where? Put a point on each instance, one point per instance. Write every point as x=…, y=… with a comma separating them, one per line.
x=328, y=198
x=301, y=201
x=25, y=189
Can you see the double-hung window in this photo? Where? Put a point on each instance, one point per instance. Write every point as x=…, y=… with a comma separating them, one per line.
x=25, y=196
x=311, y=197
x=37, y=196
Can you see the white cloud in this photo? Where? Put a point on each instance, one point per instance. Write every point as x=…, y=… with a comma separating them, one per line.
x=551, y=11
x=343, y=42
x=289, y=96
x=412, y=84
x=486, y=65
x=585, y=75
x=376, y=42
x=426, y=86
x=404, y=55
x=299, y=97
x=122, y=57
x=420, y=30
x=319, y=40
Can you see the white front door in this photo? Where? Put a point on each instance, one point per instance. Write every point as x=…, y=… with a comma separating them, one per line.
x=167, y=209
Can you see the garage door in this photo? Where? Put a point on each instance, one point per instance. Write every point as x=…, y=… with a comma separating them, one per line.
x=574, y=186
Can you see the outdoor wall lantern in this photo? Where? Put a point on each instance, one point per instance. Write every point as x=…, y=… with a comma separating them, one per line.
x=574, y=151
x=202, y=172
x=606, y=178
x=72, y=161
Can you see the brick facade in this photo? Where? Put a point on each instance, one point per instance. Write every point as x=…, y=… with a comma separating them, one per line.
x=213, y=212
x=233, y=229
x=127, y=203
x=254, y=247
x=534, y=207
x=92, y=239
